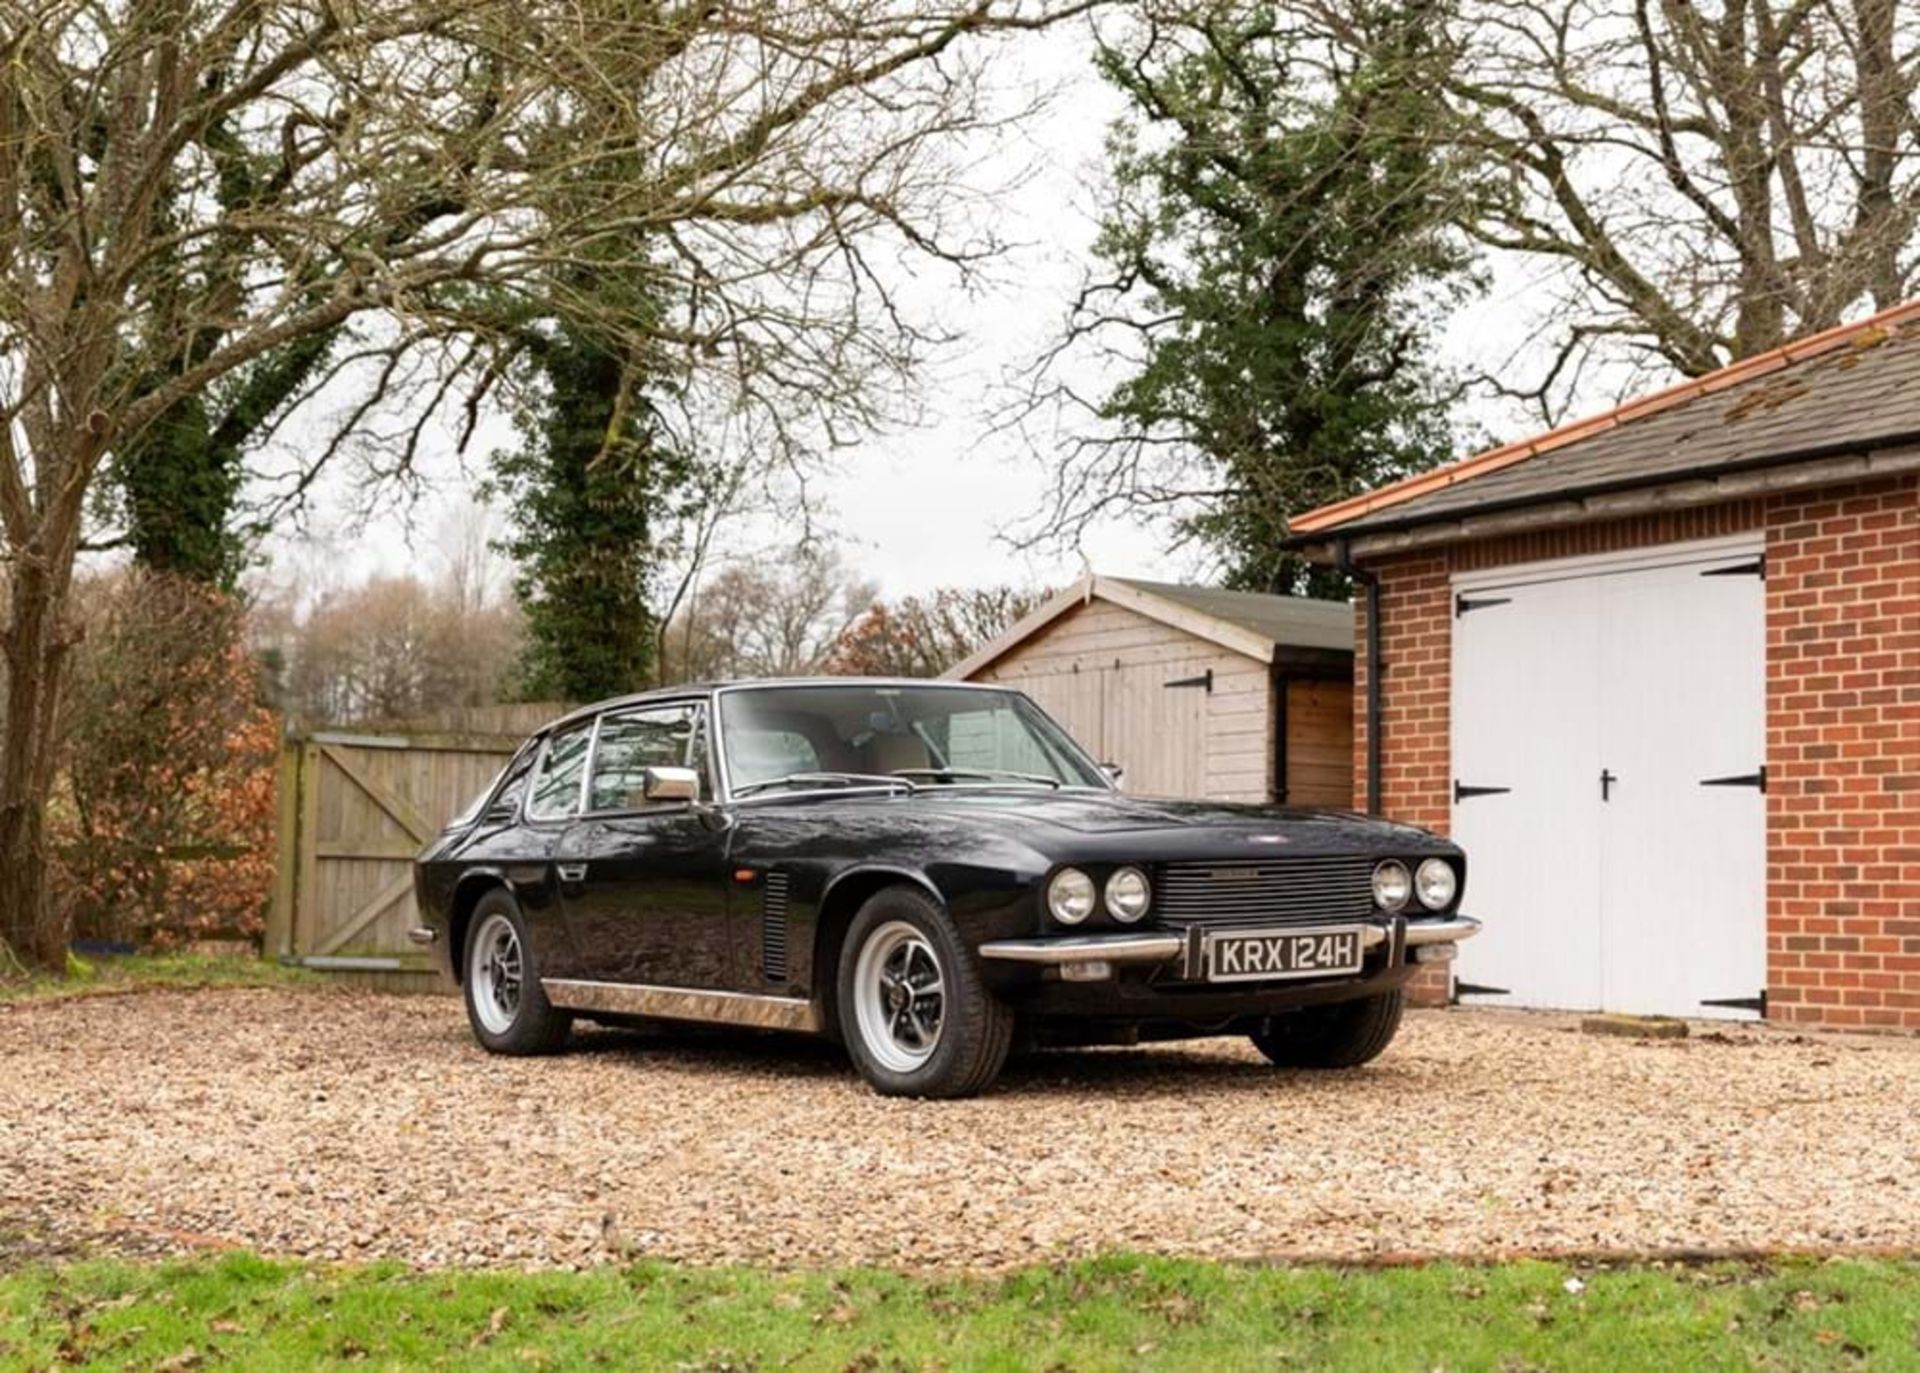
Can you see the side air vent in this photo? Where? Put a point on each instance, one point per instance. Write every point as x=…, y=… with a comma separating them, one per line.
x=773, y=927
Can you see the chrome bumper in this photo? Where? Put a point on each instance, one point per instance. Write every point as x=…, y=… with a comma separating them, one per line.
x=1451, y=930
x=423, y=934
x=1114, y=948
x=1165, y=948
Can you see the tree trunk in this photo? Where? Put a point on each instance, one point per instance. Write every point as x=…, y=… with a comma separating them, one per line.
x=35, y=648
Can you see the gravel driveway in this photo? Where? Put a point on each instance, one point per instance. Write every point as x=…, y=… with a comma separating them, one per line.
x=345, y=1125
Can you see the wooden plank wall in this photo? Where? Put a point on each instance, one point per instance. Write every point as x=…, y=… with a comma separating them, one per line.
x=1320, y=744
x=354, y=810
x=1102, y=670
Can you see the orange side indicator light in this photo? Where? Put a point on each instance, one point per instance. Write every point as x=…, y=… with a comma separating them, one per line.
x=744, y=874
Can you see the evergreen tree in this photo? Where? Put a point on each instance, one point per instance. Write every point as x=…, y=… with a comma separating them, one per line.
x=584, y=498
x=1280, y=247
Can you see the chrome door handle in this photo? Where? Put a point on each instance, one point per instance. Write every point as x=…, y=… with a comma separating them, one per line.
x=571, y=872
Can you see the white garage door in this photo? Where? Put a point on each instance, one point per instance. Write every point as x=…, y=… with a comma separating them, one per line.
x=1609, y=727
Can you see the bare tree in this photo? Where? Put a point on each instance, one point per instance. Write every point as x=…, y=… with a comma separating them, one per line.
x=1715, y=178
x=416, y=170
x=923, y=636
x=772, y=618
x=396, y=649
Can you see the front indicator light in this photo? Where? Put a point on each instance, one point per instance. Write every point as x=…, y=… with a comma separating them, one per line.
x=1099, y=970
x=1391, y=885
x=1128, y=895
x=1070, y=896
x=1435, y=884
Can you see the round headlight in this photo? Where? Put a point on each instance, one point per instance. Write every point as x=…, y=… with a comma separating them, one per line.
x=1435, y=884
x=1128, y=895
x=1391, y=885
x=1070, y=896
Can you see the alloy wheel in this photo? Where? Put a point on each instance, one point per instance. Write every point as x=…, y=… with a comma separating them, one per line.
x=900, y=995
x=495, y=970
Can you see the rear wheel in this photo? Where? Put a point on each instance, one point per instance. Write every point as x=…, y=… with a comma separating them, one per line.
x=506, y=1007
x=1342, y=1035
x=914, y=1013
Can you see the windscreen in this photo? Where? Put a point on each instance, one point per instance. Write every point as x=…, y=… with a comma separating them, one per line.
x=927, y=735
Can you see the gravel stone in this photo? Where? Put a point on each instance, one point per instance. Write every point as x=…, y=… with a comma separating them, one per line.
x=345, y=1125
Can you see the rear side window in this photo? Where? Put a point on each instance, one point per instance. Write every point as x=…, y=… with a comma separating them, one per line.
x=556, y=787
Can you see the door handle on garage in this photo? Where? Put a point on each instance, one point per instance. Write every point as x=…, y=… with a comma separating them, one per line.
x=571, y=872
x=1607, y=778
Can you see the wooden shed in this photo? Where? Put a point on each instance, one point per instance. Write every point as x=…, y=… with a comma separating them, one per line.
x=1193, y=691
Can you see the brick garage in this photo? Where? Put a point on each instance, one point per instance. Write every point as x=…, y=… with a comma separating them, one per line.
x=1800, y=468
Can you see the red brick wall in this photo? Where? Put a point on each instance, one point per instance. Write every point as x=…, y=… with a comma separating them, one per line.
x=1843, y=724
x=1843, y=756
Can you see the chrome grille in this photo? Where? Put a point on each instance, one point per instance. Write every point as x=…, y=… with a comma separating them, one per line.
x=773, y=927
x=1248, y=893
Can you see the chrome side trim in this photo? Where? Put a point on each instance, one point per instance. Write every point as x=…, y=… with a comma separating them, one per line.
x=1115, y=948
x=1447, y=931
x=685, y=1003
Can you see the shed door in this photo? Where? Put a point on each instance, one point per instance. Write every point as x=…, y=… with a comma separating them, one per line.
x=1608, y=873
x=1156, y=726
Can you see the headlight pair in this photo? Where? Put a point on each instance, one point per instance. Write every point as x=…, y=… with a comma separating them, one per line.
x=1071, y=895
x=1434, y=882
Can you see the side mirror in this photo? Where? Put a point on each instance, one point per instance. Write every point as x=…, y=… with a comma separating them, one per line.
x=1114, y=772
x=671, y=784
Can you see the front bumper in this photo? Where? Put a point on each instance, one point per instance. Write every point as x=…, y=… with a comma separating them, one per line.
x=1157, y=947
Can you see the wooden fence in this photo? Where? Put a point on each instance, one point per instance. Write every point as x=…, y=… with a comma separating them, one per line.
x=354, y=810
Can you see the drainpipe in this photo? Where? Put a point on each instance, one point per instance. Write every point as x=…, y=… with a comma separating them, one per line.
x=1343, y=559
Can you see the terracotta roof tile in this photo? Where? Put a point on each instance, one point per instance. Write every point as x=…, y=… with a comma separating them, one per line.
x=1857, y=384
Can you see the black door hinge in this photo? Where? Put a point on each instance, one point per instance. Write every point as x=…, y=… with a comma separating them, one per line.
x=1461, y=989
x=1461, y=604
x=1756, y=780
x=1756, y=568
x=1462, y=792
x=1204, y=681
x=1742, y=1003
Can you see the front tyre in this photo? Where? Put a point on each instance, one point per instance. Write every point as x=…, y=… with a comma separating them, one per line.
x=506, y=1006
x=916, y=1017
x=1342, y=1035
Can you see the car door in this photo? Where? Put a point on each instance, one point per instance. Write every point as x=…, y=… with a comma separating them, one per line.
x=644, y=880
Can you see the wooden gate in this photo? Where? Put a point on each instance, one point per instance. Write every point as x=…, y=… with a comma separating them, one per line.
x=354, y=810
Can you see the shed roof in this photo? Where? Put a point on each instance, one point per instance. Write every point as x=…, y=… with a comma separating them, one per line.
x=1296, y=620
x=1855, y=388
x=1246, y=622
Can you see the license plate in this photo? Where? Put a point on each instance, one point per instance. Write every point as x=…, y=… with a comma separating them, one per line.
x=1263, y=955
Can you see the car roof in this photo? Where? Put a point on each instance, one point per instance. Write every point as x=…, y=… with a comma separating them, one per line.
x=707, y=688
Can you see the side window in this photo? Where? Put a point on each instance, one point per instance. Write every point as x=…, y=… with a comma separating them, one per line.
x=629, y=745
x=508, y=799
x=556, y=787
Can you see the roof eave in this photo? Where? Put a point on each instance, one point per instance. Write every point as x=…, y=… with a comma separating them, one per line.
x=1830, y=465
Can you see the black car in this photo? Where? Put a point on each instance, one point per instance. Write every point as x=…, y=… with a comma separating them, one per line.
x=922, y=870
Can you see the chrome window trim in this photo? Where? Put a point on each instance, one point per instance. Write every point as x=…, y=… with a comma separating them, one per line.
x=874, y=683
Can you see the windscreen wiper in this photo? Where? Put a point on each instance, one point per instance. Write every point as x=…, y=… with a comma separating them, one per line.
x=826, y=779
x=989, y=774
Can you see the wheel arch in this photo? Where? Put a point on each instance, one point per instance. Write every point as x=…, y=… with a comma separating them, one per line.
x=467, y=894
x=840, y=900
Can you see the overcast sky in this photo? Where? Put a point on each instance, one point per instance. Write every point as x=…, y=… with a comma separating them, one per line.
x=927, y=505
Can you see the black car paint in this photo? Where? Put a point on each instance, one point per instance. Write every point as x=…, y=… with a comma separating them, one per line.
x=983, y=852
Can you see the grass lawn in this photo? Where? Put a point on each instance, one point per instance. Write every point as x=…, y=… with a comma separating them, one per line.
x=112, y=976
x=1119, y=1313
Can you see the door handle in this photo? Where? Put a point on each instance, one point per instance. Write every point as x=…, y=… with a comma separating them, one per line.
x=571, y=872
x=1607, y=779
